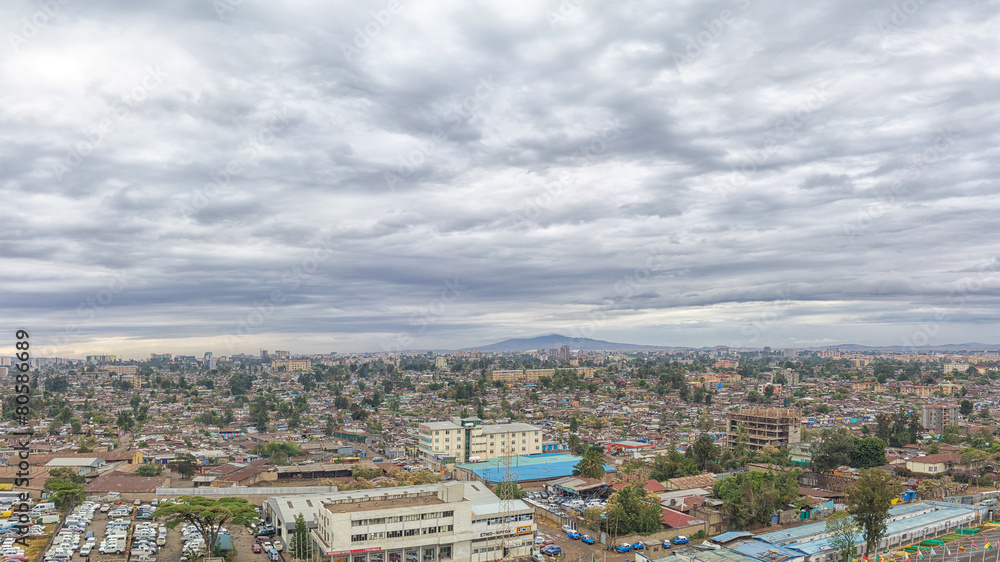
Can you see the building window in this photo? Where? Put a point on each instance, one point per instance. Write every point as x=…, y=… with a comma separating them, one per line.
x=410, y=532
x=376, y=557
x=448, y=514
x=359, y=538
x=429, y=555
x=444, y=553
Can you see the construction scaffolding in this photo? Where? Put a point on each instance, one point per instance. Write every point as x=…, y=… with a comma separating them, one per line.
x=755, y=428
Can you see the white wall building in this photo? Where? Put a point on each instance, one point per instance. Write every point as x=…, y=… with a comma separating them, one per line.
x=449, y=521
x=463, y=439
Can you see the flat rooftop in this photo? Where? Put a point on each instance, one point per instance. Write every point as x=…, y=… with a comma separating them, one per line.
x=379, y=501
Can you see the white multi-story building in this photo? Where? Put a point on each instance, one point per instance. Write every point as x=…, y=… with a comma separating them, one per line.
x=431, y=523
x=464, y=440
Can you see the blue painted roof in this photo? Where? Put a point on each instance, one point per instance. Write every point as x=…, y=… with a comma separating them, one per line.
x=731, y=535
x=531, y=467
x=766, y=551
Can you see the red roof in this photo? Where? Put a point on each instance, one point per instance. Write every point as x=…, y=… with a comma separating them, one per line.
x=654, y=486
x=678, y=520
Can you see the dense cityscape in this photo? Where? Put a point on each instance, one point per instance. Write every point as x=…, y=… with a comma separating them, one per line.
x=499, y=281
x=584, y=451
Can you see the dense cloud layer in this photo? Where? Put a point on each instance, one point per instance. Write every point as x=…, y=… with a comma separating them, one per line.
x=321, y=176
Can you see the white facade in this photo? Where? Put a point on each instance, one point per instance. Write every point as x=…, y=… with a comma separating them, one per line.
x=450, y=521
x=464, y=439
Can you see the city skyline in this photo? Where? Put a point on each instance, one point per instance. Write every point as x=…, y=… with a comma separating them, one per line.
x=233, y=176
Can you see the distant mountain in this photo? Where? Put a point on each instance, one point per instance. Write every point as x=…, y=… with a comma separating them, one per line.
x=555, y=341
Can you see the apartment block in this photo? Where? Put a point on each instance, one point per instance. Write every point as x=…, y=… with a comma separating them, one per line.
x=462, y=440
x=292, y=365
x=938, y=416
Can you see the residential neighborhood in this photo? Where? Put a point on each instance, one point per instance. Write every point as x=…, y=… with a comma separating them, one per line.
x=587, y=437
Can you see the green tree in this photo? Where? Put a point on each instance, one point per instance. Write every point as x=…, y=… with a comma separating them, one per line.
x=868, y=453
x=186, y=465
x=591, y=465
x=633, y=510
x=149, y=470
x=66, y=473
x=301, y=545
x=832, y=449
x=673, y=465
x=844, y=534
x=703, y=451
x=869, y=500
x=64, y=493
x=749, y=498
x=965, y=408
x=207, y=515
x=509, y=490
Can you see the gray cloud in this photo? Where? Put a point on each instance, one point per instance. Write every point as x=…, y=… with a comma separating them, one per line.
x=677, y=171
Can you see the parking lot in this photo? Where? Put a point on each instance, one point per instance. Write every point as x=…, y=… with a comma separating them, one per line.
x=170, y=551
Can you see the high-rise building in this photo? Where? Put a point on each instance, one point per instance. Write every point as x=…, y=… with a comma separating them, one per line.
x=939, y=416
x=756, y=427
x=564, y=353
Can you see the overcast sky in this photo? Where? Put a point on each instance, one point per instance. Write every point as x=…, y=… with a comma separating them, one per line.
x=186, y=176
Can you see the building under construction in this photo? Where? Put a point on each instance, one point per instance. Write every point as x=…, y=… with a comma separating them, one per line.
x=756, y=427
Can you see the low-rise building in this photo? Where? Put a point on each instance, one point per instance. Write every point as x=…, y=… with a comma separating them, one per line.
x=431, y=523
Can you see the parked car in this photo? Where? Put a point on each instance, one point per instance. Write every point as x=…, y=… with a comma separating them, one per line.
x=666, y=543
x=552, y=550
x=547, y=542
x=256, y=548
x=623, y=547
x=681, y=540
x=587, y=539
x=573, y=535
x=539, y=540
